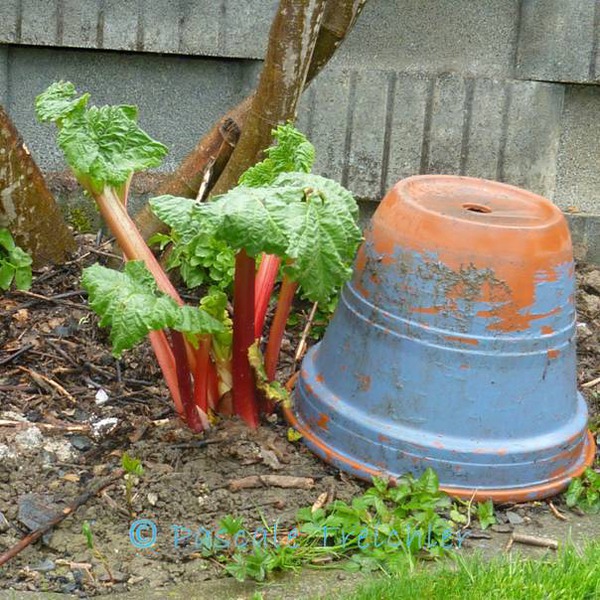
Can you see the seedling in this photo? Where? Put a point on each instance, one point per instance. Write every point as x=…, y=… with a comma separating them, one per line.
x=485, y=514
x=584, y=492
x=133, y=469
x=86, y=529
x=15, y=263
x=280, y=214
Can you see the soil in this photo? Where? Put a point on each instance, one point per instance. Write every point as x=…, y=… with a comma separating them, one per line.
x=70, y=410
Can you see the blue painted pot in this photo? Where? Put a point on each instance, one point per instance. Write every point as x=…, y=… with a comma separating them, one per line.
x=453, y=347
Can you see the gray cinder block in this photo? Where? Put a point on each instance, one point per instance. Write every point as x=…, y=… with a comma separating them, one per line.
x=557, y=41
x=80, y=23
x=578, y=177
x=9, y=14
x=39, y=22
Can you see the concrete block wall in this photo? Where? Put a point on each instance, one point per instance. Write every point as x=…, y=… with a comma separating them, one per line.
x=501, y=89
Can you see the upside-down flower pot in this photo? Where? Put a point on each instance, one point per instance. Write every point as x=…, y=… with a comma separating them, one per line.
x=453, y=347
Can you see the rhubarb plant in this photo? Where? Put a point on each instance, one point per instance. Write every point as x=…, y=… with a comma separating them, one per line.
x=280, y=216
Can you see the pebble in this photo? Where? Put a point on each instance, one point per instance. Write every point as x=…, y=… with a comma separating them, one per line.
x=29, y=439
x=514, y=518
x=4, y=524
x=81, y=442
x=101, y=397
x=45, y=566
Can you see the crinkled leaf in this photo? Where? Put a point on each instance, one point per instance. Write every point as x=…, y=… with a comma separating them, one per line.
x=178, y=213
x=59, y=101
x=243, y=218
x=273, y=390
x=320, y=250
x=105, y=145
x=292, y=152
x=131, y=305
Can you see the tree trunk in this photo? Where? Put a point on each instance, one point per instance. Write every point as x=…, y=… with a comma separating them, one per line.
x=291, y=44
x=27, y=208
x=338, y=19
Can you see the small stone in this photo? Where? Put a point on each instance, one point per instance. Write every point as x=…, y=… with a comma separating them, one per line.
x=514, y=518
x=502, y=528
x=101, y=397
x=4, y=524
x=152, y=498
x=591, y=304
x=45, y=566
x=591, y=281
x=6, y=452
x=29, y=439
x=61, y=449
x=103, y=427
x=81, y=442
x=583, y=331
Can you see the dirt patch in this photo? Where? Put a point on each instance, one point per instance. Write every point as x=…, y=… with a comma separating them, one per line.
x=73, y=410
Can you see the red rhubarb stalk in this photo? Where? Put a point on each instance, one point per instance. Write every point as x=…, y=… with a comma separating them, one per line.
x=192, y=414
x=166, y=362
x=284, y=305
x=201, y=377
x=265, y=281
x=244, y=394
x=134, y=247
x=130, y=240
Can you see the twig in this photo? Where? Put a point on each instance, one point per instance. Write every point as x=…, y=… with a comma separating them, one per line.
x=509, y=544
x=39, y=378
x=291, y=382
x=16, y=354
x=69, y=510
x=282, y=481
x=52, y=299
x=556, y=512
x=47, y=426
x=591, y=383
x=469, y=508
x=533, y=540
x=302, y=343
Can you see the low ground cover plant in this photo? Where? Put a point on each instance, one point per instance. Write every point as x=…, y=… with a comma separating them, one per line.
x=280, y=216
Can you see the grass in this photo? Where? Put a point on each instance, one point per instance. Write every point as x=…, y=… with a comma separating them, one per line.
x=571, y=575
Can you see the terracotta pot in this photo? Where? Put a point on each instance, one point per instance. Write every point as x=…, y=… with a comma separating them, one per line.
x=453, y=347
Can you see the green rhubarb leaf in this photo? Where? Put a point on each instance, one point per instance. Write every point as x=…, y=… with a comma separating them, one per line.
x=178, y=213
x=244, y=218
x=58, y=102
x=104, y=145
x=292, y=152
x=130, y=303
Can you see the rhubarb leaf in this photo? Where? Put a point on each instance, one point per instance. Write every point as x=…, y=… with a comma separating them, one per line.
x=178, y=213
x=104, y=145
x=244, y=218
x=130, y=303
x=58, y=101
x=293, y=152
